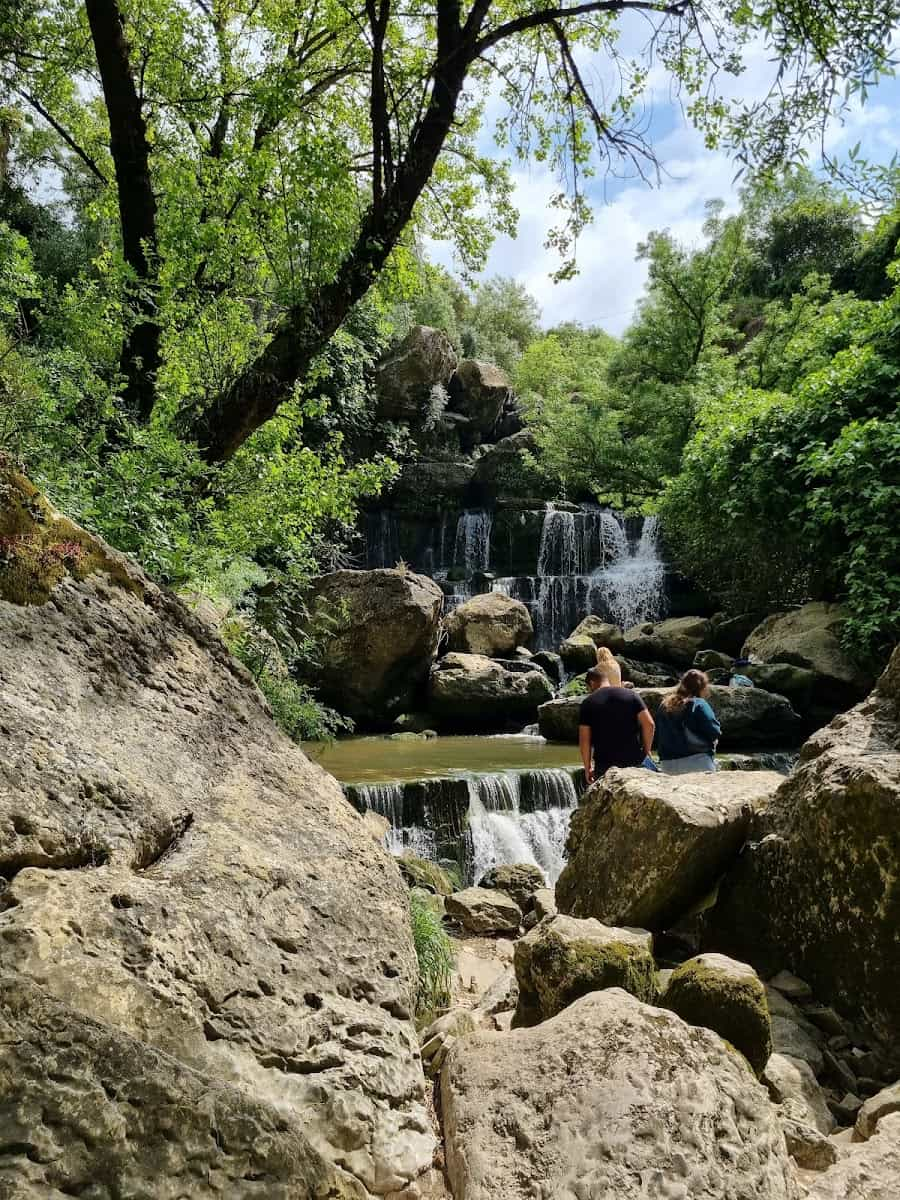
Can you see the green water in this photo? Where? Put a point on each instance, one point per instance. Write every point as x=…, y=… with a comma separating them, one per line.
x=381, y=760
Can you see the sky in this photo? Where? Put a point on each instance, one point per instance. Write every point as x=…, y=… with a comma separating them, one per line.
x=610, y=279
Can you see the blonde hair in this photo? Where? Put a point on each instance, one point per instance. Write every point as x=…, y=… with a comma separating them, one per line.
x=609, y=666
x=691, y=685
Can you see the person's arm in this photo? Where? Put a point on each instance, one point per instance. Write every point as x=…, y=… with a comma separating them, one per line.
x=704, y=722
x=584, y=745
x=648, y=728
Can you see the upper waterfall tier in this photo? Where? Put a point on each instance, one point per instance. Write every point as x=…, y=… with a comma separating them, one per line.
x=561, y=561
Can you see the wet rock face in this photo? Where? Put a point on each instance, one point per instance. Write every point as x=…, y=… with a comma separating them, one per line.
x=189, y=896
x=644, y=847
x=386, y=631
x=609, y=1098
x=816, y=889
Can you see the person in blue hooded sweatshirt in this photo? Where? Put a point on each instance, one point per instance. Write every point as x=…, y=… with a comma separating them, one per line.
x=687, y=729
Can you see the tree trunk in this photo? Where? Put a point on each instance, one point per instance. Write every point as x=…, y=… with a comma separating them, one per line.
x=256, y=394
x=137, y=204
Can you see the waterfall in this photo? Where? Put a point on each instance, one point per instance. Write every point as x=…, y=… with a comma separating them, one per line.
x=387, y=799
x=382, y=539
x=472, y=550
x=633, y=586
x=501, y=832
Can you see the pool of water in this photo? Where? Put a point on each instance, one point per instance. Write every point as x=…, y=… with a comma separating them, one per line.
x=360, y=760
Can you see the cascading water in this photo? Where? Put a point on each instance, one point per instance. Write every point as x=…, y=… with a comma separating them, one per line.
x=472, y=550
x=634, y=583
x=502, y=833
x=503, y=817
x=387, y=799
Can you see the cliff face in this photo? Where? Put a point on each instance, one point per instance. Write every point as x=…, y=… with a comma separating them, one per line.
x=206, y=973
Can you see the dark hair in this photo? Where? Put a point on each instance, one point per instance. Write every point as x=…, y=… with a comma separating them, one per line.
x=596, y=675
x=690, y=686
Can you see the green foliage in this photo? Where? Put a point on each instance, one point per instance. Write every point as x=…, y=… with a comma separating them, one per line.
x=434, y=953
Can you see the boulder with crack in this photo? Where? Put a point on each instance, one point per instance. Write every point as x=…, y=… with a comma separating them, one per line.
x=188, y=897
x=610, y=1098
x=643, y=847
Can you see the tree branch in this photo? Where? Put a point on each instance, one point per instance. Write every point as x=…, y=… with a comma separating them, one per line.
x=64, y=134
x=547, y=16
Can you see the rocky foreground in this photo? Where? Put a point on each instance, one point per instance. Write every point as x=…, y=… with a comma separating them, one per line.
x=207, y=978
x=206, y=971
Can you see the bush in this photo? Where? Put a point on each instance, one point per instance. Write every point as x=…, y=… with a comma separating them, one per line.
x=435, y=956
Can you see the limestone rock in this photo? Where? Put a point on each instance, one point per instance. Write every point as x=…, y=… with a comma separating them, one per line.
x=501, y=996
x=89, y=1110
x=674, y=641
x=816, y=887
x=810, y=637
x=520, y=881
x=712, y=660
x=796, y=683
x=644, y=847
x=875, y=1108
x=479, y=391
x=750, y=717
x=808, y=1147
x=405, y=378
x=609, y=1098
x=441, y=1034
x=197, y=904
x=481, y=910
x=579, y=650
x=491, y=624
x=870, y=1171
x=730, y=632
x=797, y=1039
x=469, y=691
x=544, y=901
x=387, y=625
x=562, y=959
x=725, y=996
x=501, y=471
x=551, y=664
x=791, y=1081
x=791, y=986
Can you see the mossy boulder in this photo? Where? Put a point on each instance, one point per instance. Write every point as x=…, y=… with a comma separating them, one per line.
x=727, y=997
x=562, y=959
x=39, y=547
x=519, y=880
x=420, y=873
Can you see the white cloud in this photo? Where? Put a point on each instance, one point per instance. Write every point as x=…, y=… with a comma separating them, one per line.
x=611, y=280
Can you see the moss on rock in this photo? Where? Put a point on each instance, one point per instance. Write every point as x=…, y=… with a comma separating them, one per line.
x=39, y=547
x=562, y=959
x=420, y=873
x=727, y=997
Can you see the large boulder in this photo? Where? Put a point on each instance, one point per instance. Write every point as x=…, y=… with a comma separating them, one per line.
x=609, y=1098
x=875, y=1109
x=469, y=691
x=816, y=889
x=674, y=641
x=520, y=881
x=197, y=926
x=562, y=959
x=406, y=378
x=793, y=1085
x=479, y=391
x=809, y=637
x=385, y=627
x=726, y=996
x=750, y=718
x=501, y=470
x=484, y=910
x=644, y=847
x=870, y=1171
x=492, y=624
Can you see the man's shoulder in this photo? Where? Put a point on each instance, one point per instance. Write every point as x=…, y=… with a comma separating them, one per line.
x=627, y=696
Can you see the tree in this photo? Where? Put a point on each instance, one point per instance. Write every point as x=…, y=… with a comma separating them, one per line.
x=501, y=321
x=293, y=148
